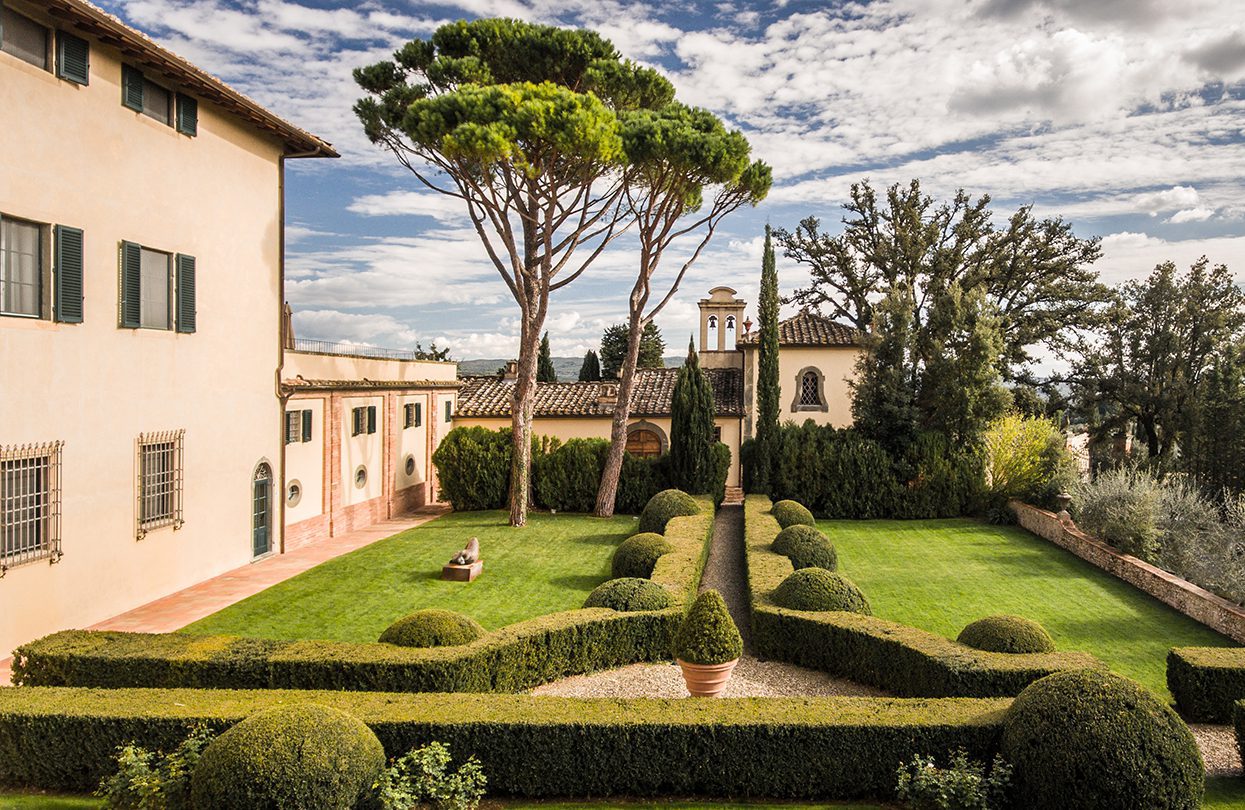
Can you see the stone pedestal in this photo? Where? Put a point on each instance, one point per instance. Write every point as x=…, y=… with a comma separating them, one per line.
x=462, y=573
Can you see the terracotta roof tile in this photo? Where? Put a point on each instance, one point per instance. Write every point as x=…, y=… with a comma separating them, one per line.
x=809, y=329
x=300, y=384
x=654, y=389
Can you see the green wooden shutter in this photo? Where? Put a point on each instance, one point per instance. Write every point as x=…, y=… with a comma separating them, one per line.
x=131, y=282
x=67, y=268
x=185, y=293
x=306, y=426
x=371, y=418
x=187, y=115
x=73, y=59
x=419, y=414
x=132, y=88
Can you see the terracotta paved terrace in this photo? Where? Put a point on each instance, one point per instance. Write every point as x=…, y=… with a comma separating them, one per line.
x=177, y=610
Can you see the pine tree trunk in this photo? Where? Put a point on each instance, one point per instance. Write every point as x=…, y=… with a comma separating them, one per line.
x=607, y=493
x=522, y=408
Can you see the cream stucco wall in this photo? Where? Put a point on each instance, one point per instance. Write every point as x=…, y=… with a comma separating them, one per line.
x=304, y=463
x=364, y=450
x=599, y=428
x=837, y=365
x=412, y=442
x=73, y=155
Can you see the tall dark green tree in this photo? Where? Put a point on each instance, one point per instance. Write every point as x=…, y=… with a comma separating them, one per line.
x=590, y=371
x=521, y=124
x=691, y=428
x=767, y=371
x=614, y=340
x=885, y=387
x=1216, y=451
x=545, y=372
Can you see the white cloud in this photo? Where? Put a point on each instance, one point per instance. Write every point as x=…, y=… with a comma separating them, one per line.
x=442, y=208
x=1192, y=215
x=1129, y=254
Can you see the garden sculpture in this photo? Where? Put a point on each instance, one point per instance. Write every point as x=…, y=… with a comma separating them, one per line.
x=469, y=554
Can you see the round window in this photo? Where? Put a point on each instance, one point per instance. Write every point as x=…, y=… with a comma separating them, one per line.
x=360, y=477
x=410, y=465
x=293, y=493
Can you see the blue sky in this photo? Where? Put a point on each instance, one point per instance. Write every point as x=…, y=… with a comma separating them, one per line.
x=1127, y=117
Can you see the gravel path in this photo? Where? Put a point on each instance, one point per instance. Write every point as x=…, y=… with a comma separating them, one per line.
x=1218, y=744
x=752, y=678
x=724, y=570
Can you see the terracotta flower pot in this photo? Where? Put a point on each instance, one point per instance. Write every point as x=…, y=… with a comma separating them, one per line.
x=706, y=680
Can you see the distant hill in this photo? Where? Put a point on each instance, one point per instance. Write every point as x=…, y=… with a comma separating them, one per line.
x=567, y=367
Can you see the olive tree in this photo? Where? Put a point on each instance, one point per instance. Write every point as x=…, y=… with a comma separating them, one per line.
x=521, y=124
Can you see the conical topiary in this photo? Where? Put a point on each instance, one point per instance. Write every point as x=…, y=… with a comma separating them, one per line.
x=708, y=634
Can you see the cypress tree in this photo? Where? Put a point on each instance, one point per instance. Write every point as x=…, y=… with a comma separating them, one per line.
x=545, y=371
x=767, y=372
x=691, y=428
x=590, y=371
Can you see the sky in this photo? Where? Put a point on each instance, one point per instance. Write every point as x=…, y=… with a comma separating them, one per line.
x=1125, y=117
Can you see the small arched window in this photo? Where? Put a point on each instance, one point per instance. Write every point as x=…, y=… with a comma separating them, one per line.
x=730, y=321
x=810, y=390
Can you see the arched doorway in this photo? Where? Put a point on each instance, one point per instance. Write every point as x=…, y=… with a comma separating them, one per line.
x=261, y=510
x=645, y=440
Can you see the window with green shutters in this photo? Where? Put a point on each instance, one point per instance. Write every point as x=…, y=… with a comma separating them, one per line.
x=131, y=285
x=297, y=426
x=73, y=58
x=67, y=270
x=412, y=415
x=187, y=115
x=307, y=425
x=132, y=88
x=371, y=418
x=358, y=421
x=158, y=289
x=185, y=286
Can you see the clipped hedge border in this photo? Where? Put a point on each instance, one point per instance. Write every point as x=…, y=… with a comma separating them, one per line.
x=512, y=659
x=1206, y=681
x=1240, y=728
x=65, y=739
x=884, y=654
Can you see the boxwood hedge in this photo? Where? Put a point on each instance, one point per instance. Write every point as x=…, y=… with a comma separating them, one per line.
x=1240, y=728
x=1206, y=681
x=888, y=655
x=511, y=659
x=55, y=738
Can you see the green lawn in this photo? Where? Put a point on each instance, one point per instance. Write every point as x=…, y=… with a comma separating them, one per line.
x=550, y=565
x=942, y=574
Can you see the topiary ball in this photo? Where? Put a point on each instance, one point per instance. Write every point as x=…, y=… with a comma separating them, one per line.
x=708, y=635
x=669, y=503
x=628, y=595
x=433, y=628
x=1092, y=739
x=792, y=513
x=1007, y=634
x=806, y=547
x=289, y=758
x=819, y=589
x=637, y=555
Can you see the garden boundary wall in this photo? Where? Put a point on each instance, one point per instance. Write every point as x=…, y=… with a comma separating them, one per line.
x=1197, y=603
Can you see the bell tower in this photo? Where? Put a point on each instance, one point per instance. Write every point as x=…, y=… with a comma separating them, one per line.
x=721, y=318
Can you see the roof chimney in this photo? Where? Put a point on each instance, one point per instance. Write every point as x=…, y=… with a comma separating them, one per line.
x=608, y=395
x=512, y=370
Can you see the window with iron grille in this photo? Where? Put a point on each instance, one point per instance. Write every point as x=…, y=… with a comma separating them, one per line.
x=30, y=504
x=159, y=481
x=810, y=389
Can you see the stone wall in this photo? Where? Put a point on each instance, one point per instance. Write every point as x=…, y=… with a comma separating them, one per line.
x=1197, y=603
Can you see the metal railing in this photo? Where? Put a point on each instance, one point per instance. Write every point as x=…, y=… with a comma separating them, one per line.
x=352, y=349
x=30, y=503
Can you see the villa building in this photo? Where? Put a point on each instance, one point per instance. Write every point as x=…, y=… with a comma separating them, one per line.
x=817, y=358
x=151, y=416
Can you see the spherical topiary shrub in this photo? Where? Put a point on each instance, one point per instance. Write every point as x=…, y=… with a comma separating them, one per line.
x=708, y=635
x=433, y=628
x=289, y=758
x=629, y=594
x=636, y=556
x=1095, y=740
x=819, y=589
x=792, y=513
x=669, y=503
x=806, y=547
x=1007, y=634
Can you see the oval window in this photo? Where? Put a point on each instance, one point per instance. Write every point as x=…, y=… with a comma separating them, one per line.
x=360, y=477
x=294, y=493
x=410, y=465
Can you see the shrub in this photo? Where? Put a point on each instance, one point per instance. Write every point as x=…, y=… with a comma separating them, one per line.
x=1027, y=459
x=668, y=503
x=1007, y=634
x=289, y=758
x=629, y=594
x=151, y=780
x=1198, y=544
x=962, y=785
x=421, y=778
x=1093, y=739
x=433, y=628
x=639, y=481
x=1206, y=681
x=792, y=513
x=937, y=479
x=819, y=589
x=567, y=478
x=534, y=746
x=1121, y=507
x=1239, y=717
x=638, y=554
x=806, y=547
x=473, y=468
x=720, y=467
x=708, y=634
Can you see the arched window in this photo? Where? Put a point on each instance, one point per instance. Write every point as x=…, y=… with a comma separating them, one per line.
x=643, y=443
x=713, y=321
x=809, y=393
